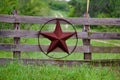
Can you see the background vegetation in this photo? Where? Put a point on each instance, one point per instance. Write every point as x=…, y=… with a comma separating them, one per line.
x=97, y=9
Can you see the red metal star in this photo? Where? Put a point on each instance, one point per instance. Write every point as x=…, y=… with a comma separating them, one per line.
x=58, y=38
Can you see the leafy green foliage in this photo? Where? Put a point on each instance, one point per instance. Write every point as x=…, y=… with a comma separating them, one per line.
x=25, y=7
x=34, y=7
x=77, y=8
x=59, y=5
x=109, y=8
x=6, y=6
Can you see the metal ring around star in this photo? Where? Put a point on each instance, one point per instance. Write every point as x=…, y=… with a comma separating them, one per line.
x=40, y=34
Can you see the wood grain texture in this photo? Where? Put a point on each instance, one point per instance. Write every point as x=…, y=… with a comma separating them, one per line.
x=103, y=49
x=108, y=62
x=86, y=42
x=81, y=35
x=42, y=20
x=16, y=54
x=35, y=48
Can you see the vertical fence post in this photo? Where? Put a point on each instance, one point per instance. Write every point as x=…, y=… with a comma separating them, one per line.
x=16, y=54
x=86, y=42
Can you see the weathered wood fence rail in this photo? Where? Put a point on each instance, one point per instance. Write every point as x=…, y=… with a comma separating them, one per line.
x=17, y=48
x=42, y=20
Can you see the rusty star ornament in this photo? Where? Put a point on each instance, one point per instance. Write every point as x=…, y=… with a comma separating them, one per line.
x=58, y=38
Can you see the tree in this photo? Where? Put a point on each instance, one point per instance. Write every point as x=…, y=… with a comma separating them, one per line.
x=77, y=8
x=25, y=7
x=111, y=8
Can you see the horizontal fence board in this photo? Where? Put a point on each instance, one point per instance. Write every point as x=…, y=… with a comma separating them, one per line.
x=99, y=49
x=103, y=35
x=42, y=20
x=19, y=33
x=35, y=48
x=108, y=62
x=81, y=35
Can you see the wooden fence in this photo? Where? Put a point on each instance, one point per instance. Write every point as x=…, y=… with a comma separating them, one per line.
x=87, y=49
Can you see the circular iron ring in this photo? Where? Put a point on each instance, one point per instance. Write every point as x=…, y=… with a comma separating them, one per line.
x=56, y=20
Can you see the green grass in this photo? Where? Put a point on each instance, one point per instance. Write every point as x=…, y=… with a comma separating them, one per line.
x=50, y=72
